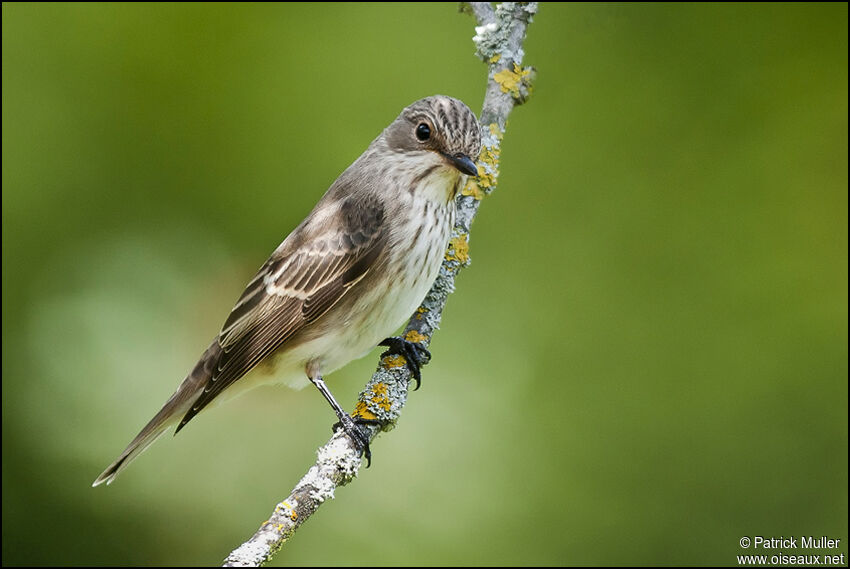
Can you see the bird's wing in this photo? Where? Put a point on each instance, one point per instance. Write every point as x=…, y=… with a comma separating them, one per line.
x=292, y=290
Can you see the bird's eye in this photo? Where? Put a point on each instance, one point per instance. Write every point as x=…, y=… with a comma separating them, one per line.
x=423, y=132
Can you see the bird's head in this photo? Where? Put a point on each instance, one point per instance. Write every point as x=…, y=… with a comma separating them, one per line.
x=441, y=125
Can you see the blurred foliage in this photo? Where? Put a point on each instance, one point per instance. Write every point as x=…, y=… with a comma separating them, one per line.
x=646, y=361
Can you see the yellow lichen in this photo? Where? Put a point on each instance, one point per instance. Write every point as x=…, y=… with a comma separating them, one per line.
x=510, y=81
x=487, y=182
x=394, y=361
x=495, y=58
x=380, y=397
x=293, y=516
x=458, y=249
x=362, y=410
x=496, y=131
x=490, y=156
x=473, y=189
x=415, y=337
x=487, y=176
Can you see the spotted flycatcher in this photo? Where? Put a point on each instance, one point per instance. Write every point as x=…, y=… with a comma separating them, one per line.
x=346, y=278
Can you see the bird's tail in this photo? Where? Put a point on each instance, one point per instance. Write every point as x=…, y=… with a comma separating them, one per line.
x=170, y=414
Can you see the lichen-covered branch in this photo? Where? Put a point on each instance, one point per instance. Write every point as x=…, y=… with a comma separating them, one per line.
x=498, y=39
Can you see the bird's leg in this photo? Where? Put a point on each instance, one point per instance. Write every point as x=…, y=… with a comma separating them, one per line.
x=349, y=425
x=413, y=353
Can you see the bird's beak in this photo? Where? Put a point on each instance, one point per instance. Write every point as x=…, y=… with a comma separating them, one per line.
x=463, y=163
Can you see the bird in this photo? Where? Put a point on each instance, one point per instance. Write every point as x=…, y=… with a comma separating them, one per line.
x=348, y=276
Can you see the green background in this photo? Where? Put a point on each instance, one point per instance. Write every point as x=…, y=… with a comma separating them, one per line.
x=646, y=361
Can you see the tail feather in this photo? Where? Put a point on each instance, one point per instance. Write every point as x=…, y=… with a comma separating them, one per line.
x=170, y=414
x=143, y=440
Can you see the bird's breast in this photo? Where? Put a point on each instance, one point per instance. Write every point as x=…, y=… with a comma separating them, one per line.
x=397, y=284
x=418, y=229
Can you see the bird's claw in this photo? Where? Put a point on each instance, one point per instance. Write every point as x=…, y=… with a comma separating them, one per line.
x=413, y=353
x=359, y=435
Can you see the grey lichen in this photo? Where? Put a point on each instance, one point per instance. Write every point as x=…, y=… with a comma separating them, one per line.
x=493, y=37
x=488, y=40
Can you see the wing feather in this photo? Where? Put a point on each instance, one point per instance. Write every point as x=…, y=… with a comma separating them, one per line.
x=292, y=290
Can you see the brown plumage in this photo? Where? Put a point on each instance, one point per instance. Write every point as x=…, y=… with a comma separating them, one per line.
x=346, y=277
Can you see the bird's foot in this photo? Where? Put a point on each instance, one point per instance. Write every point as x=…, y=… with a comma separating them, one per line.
x=413, y=353
x=360, y=436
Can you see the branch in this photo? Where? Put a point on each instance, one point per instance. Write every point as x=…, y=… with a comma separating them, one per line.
x=498, y=39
